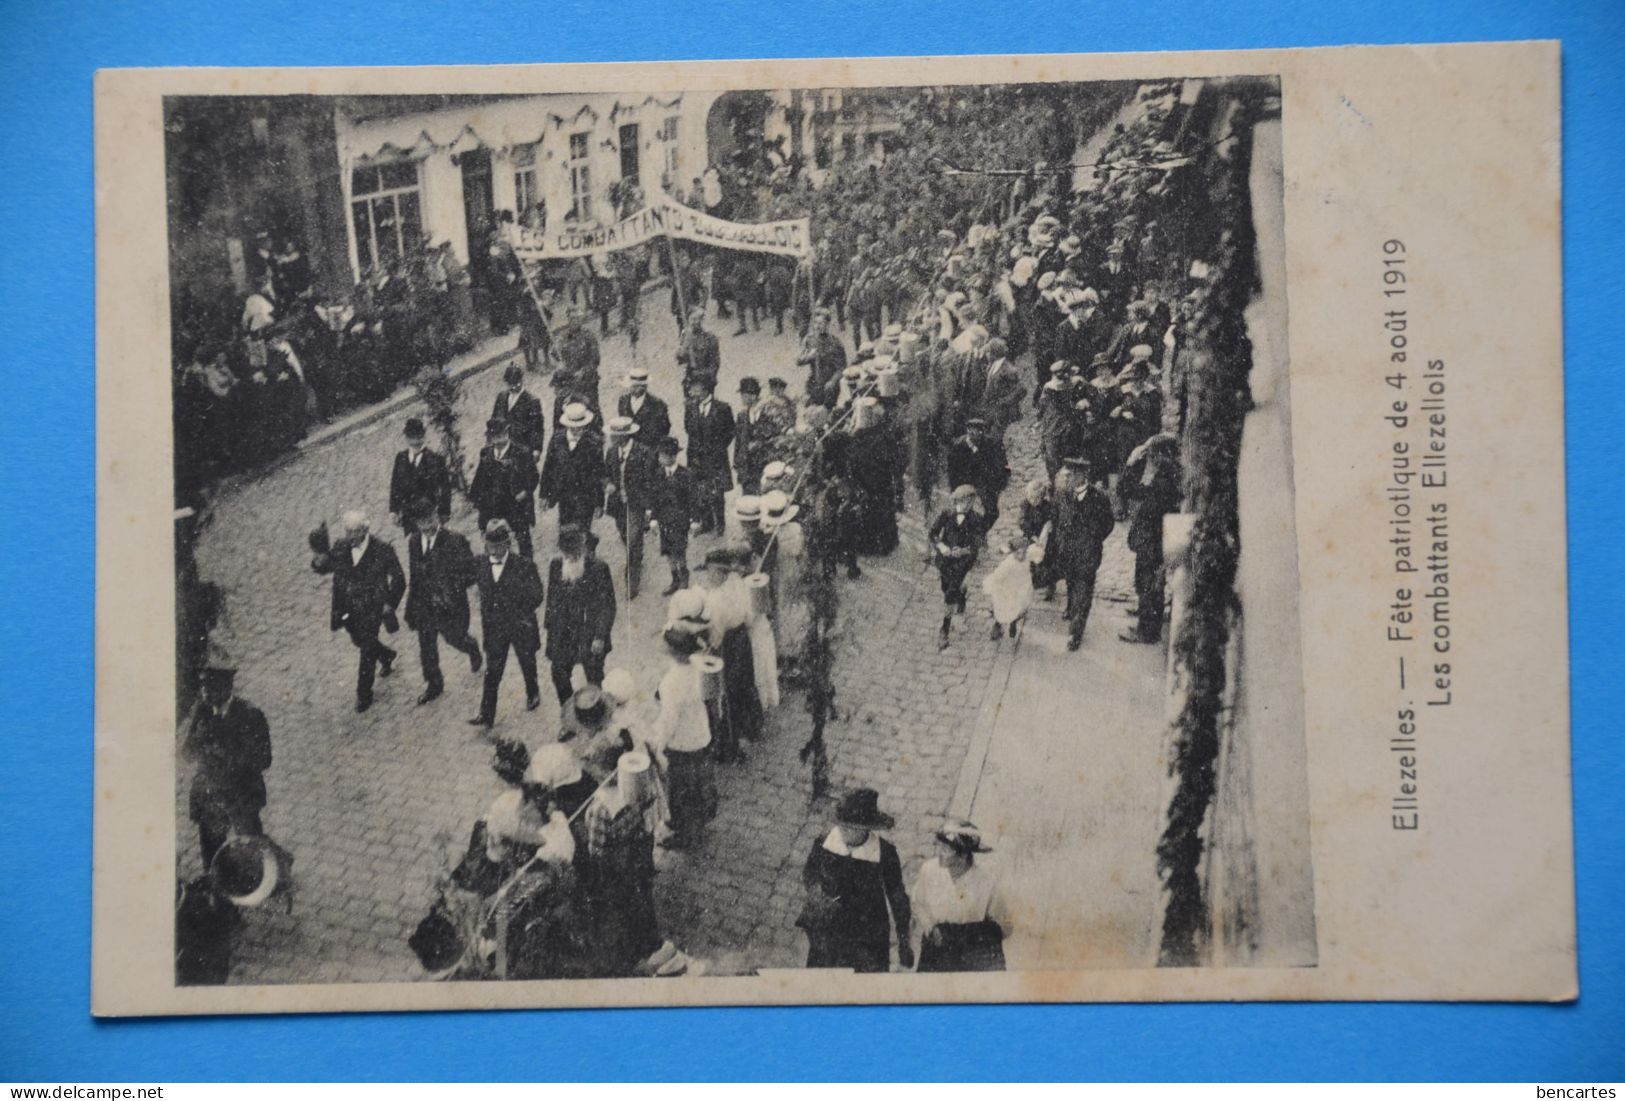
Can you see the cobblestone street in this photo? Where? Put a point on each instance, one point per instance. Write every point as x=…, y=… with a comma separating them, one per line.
x=375, y=806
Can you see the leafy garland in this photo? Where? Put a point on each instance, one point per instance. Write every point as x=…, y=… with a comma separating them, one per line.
x=1218, y=360
x=439, y=391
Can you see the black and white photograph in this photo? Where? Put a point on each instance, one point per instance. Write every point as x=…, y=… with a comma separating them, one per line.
x=648, y=535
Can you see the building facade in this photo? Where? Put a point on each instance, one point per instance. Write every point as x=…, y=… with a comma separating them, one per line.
x=444, y=168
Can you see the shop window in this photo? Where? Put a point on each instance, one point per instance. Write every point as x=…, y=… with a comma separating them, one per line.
x=386, y=212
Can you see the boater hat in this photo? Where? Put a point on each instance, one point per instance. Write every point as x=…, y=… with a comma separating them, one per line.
x=861, y=808
x=576, y=415
x=622, y=426
x=638, y=374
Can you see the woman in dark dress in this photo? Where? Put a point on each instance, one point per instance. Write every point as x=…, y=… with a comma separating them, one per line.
x=855, y=892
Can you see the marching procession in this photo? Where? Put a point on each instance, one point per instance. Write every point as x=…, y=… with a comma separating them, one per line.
x=937, y=313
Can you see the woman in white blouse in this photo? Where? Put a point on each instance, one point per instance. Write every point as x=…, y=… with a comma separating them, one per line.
x=682, y=739
x=958, y=906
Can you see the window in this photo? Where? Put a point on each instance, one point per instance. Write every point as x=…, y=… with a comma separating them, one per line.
x=849, y=146
x=386, y=212
x=673, y=170
x=525, y=192
x=629, y=152
x=823, y=151
x=580, y=179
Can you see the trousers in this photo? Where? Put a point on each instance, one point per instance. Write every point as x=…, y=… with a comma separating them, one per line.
x=372, y=651
x=496, y=662
x=429, y=652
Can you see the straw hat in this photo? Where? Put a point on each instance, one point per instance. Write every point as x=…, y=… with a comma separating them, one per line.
x=554, y=766
x=576, y=415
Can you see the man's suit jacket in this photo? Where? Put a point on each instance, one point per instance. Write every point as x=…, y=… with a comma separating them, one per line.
x=1078, y=345
x=1081, y=528
x=438, y=598
x=574, y=474
x=708, y=439
x=752, y=438
x=1002, y=395
x=526, y=424
x=364, y=591
x=631, y=480
x=428, y=480
x=508, y=606
x=578, y=611
x=653, y=419
x=505, y=488
x=671, y=501
x=983, y=466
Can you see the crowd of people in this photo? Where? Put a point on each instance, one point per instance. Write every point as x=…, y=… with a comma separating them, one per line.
x=968, y=296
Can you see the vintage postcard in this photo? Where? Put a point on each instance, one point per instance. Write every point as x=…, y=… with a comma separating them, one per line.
x=1040, y=528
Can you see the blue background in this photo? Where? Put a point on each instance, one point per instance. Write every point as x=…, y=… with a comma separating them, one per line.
x=48, y=52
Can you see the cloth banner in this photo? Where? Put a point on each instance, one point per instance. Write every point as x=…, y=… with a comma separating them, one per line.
x=665, y=217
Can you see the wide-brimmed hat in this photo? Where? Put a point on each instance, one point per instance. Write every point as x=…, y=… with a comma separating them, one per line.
x=622, y=426
x=777, y=508
x=576, y=415
x=861, y=808
x=962, y=836
x=246, y=870
x=553, y=766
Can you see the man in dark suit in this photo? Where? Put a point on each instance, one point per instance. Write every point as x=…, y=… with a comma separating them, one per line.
x=709, y=423
x=629, y=474
x=1084, y=333
x=510, y=592
x=1115, y=280
x=978, y=459
x=699, y=352
x=652, y=416
x=441, y=566
x=521, y=410
x=367, y=587
x=504, y=486
x=1083, y=520
x=419, y=474
x=1152, y=486
x=824, y=356
x=671, y=501
x=755, y=428
x=580, y=612
x=229, y=743
x=573, y=472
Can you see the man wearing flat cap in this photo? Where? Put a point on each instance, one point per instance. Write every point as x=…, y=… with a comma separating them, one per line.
x=629, y=482
x=504, y=485
x=977, y=459
x=510, y=592
x=672, y=505
x=824, y=356
x=419, y=474
x=651, y=415
x=1083, y=520
x=755, y=429
x=229, y=743
x=577, y=376
x=698, y=351
x=520, y=410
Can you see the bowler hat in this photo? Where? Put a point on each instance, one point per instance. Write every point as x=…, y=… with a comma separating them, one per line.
x=861, y=808
x=414, y=428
